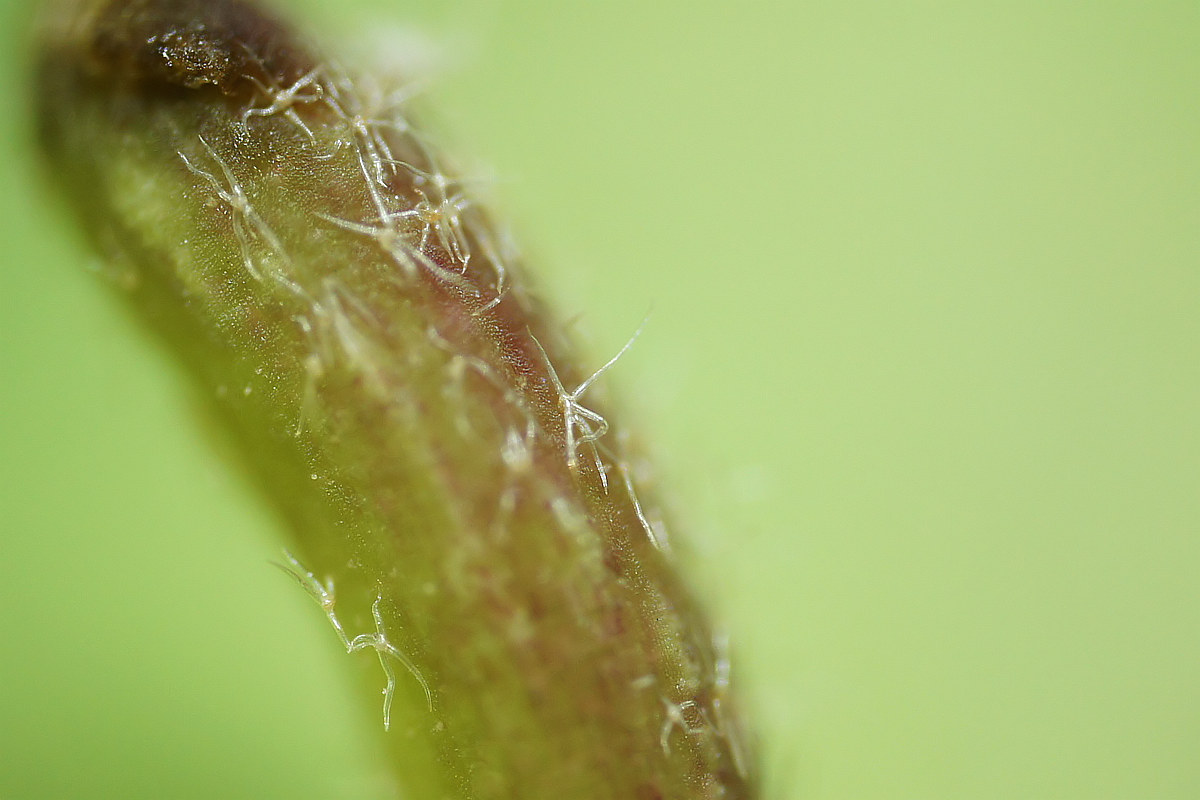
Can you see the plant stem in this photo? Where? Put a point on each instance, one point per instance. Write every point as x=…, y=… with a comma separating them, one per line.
x=402, y=399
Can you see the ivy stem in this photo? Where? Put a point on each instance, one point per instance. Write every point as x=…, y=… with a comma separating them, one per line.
x=458, y=503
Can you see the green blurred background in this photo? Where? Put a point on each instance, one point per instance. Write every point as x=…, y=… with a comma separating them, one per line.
x=922, y=372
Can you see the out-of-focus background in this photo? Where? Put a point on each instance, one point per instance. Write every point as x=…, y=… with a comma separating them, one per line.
x=923, y=371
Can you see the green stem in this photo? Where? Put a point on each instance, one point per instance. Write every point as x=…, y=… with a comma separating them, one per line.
x=403, y=400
